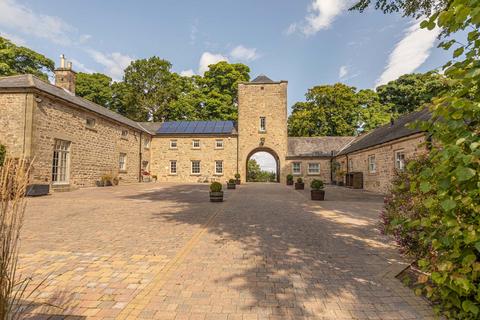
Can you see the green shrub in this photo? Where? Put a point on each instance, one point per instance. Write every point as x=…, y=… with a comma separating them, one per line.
x=237, y=176
x=289, y=177
x=3, y=152
x=216, y=187
x=231, y=181
x=299, y=180
x=317, y=184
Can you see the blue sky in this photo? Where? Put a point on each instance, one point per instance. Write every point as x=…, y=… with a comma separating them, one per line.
x=307, y=42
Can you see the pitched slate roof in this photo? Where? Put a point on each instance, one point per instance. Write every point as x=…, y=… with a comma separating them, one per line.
x=262, y=79
x=30, y=81
x=388, y=132
x=196, y=127
x=316, y=146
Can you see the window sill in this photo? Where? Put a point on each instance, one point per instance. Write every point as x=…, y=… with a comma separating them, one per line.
x=91, y=129
x=60, y=184
x=260, y=131
x=313, y=174
x=195, y=174
x=123, y=138
x=219, y=148
x=218, y=174
x=172, y=174
x=296, y=174
x=122, y=171
x=172, y=148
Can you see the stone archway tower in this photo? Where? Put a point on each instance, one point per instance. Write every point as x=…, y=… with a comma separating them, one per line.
x=262, y=121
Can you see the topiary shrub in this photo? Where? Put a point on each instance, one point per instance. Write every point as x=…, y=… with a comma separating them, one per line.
x=299, y=180
x=237, y=176
x=289, y=177
x=215, y=187
x=317, y=184
x=3, y=153
x=231, y=181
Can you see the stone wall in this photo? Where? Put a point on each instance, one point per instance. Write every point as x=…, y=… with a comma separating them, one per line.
x=94, y=151
x=207, y=154
x=13, y=120
x=380, y=180
x=324, y=169
x=267, y=100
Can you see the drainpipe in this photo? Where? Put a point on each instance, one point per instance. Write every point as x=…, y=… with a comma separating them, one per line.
x=140, y=157
x=331, y=166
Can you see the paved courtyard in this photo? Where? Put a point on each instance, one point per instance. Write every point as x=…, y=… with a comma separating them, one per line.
x=162, y=251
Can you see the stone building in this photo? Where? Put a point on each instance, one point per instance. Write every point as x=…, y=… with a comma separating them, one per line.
x=74, y=142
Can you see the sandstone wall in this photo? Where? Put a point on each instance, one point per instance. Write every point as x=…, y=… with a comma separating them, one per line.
x=162, y=154
x=380, y=180
x=257, y=100
x=14, y=118
x=93, y=151
x=324, y=174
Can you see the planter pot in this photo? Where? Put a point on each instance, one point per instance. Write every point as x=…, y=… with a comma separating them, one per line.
x=289, y=183
x=231, y=185
x=108, y=183
x=299, y=186
x=100, y=184
x=216, y=196
x=237, y=181
x=318, y=195
x=340, y=183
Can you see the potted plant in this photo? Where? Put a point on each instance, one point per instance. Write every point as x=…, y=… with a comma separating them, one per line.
x=231, y=184
x=340, y=174
x=317, y=192
x=105, y=181
x=237, y=178
x=154, y=177
x=299, y=185
x=289, y=180
x=216, y=193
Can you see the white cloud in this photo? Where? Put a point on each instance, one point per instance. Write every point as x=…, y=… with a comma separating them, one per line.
x=321, y=14
x=22, y=19
x=343, y=72
x=187, y=73
x=209, y=58
x=15, y=39
x=409, y=53
x=244, y=54
x=77, y=65
x=84, y=38
x=114, y=63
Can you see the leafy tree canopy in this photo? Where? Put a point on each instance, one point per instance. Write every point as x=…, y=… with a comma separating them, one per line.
x=411, y=91
x=20, y=60
x=95, y=87
x=336, y=110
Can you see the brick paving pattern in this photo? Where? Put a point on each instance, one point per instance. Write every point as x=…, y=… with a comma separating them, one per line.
x=162, y=251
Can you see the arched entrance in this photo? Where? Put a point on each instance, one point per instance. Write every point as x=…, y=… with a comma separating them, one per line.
x=270, y=152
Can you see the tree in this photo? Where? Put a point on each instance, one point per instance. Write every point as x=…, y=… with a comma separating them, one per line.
x=254, y=170
x=411, y=91
x=372, y=113
x=330, y=110
x=95, y=87
x=152, y=87
x=20, y=60
x=448, y=218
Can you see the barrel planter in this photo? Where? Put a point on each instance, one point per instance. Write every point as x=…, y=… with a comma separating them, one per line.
x=216, y=196
x=317, y=195
x=289, y=182
x=299, y=185
x=231, y=185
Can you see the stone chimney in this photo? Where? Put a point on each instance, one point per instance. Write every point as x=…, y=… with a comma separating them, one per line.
x=65, y=77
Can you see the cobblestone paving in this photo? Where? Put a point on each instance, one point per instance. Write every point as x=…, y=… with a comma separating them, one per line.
x=162, y=251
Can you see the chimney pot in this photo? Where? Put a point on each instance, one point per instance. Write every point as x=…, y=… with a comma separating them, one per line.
x=69, y=65
x=62, y=61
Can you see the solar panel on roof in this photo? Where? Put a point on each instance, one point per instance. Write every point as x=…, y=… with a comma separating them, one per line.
x=196, y=127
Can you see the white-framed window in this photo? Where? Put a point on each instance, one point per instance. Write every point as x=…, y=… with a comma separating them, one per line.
x=61, y=162
x=372, y=166
x=350, y=165
x=219, y=144
x=90, y=123
x=146, y=143
x=314, y=168
x=263, y=124
x=173, y=166
x=400, y=160
x=173, y=144
x=196, y=167
x=196, y=144
x=122, y=162
x=296, y=168
x=124, y=134
x=218, y=167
